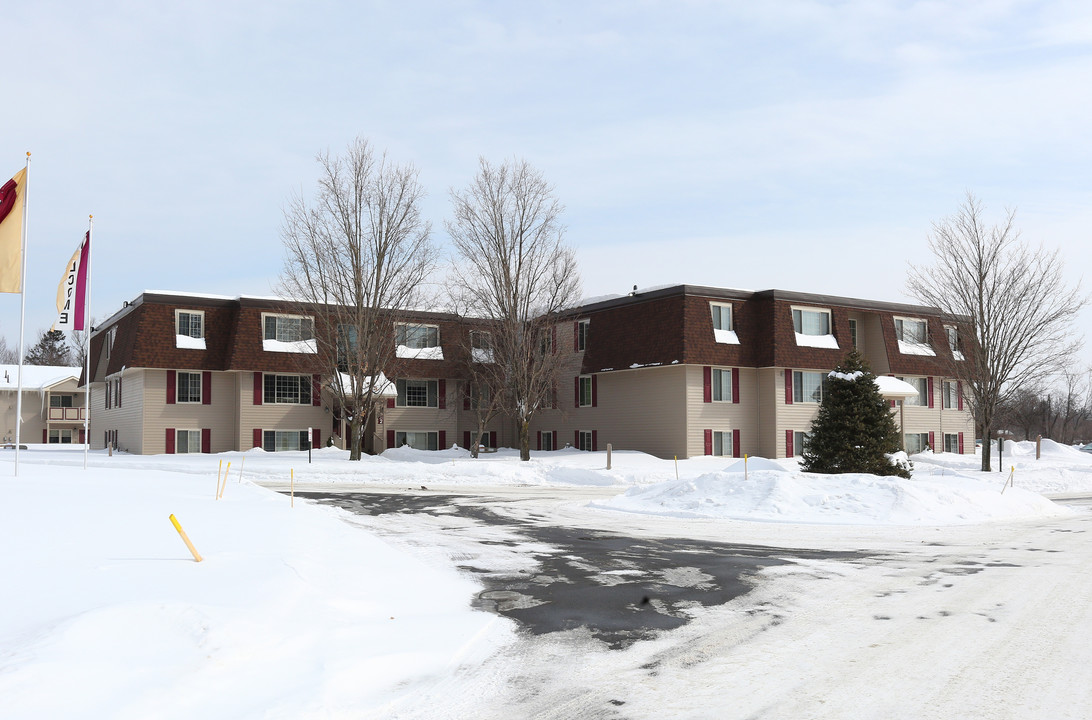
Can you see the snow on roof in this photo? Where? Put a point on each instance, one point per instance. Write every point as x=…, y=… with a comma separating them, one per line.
x=36, y=377
x=894, y=388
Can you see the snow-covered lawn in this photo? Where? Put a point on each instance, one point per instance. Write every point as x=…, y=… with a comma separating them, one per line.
x=294, y=613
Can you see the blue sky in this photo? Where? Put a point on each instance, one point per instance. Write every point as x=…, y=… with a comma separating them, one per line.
x=799, y=145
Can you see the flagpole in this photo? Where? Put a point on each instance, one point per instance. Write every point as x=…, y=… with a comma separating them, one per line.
x=87, y=346
x=22, y=318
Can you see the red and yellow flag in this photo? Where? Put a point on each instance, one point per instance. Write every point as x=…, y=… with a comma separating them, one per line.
x=11, y=232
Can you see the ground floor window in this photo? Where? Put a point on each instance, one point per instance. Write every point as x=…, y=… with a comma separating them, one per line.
x=188, y=441
x=951, y=442
x=417, y=439
x=282, y=440
x=547, y=441
x=722, y=443
x=917, y=442
x=799, y=439
x=63, y=437
x=584, y=440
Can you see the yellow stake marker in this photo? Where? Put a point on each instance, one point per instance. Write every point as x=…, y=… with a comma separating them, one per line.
x=193, y=550
x=218, y=471
x=223, y=486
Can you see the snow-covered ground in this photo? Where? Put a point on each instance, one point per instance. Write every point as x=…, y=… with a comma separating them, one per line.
x=294, y=613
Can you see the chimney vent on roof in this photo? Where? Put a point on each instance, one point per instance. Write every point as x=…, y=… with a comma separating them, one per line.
x=634, y=292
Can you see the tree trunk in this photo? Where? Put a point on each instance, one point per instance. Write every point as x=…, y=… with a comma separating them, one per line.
x=354, y=437
x=985, y=448
x=524, y=439
x=476, y=444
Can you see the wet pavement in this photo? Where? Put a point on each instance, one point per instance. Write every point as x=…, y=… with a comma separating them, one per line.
x=620, y=589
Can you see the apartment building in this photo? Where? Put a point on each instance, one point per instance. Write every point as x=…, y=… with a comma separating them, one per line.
x=53, y=408
x=686, y=371
x=680, y=371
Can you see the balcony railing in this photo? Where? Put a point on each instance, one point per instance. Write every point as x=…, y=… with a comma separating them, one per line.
x=66, y=414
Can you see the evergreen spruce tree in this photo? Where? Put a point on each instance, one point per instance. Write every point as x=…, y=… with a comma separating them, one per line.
x=50, y=350
x=854, y=429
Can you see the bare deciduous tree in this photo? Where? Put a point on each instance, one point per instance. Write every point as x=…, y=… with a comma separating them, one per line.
x=357, y=257
x=1011, y=307
x=513, y=269
x=485, y=383
x=8, y=356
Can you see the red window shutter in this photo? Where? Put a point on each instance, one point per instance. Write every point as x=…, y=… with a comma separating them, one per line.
x=555, y=439
x=553, y=339
x=932, y=442
x=594, y=390
x=206, y=388
x=316, y=437
x=576, y=391
x=119, y=392
x=576, y=336
x=707, y=386
x=259, y=391
x=441, y=394
x=735, y=386
x=45, y=436
x=442, y=439
x=788, y=444
x=206, y=440
x=576, y=439
x=708, y=442
x=735, y=443
x=170, y=441
x=257, y=439
x=316, y=390
x=930, y=390
x=493, y=438
x=788, y=387
x=106, y=396
x=539, y=436
x=960, y=443
x=466, y=396
x=466, y=439
x=172, y=387
x=390, y=439
x=553, y=396
x=390, y=403
x=83, y=436
x=594, y=440
x=959, y=393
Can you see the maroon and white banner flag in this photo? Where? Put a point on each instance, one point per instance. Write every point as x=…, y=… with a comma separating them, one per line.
x=72, y=292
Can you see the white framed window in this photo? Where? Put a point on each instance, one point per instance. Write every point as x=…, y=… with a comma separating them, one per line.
x=190, y=323
x=952, y=334
x=111, y=335
x=548, y=440
x=283, y=440
x=188, y=388
x=417, y=439
x=288, y=328
x=916, y=442
x=912, y=330
x=60, y=401
x=584, y=440
x=722, y=316
x=187, y=441
x=722, y=385
x=811, y=321
x=853, y=331
x=722, y=443
x=950, y=392
x=286, y=389
x=799, y=440
x=582, y=328
x=922, y=385
x=61, y=436
x=416, y=336
x=417, y=393
x=951, y=442
x=807, y=387
x=585, y=398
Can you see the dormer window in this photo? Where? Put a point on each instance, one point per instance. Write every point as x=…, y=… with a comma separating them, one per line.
x=419, y=342
x=723, y=329
x=913, y=336
x=189, y=329
x=953, y=341
x=288, y=333
x=813, y=327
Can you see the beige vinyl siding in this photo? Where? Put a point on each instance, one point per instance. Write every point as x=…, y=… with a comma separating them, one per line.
x=642, y=409
x=127, y=420
x=270, y=416
x=722, y=416
x=418, y=419
x=770, y=398
x=217, y=417
x=796, y=417
x=33, y=415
